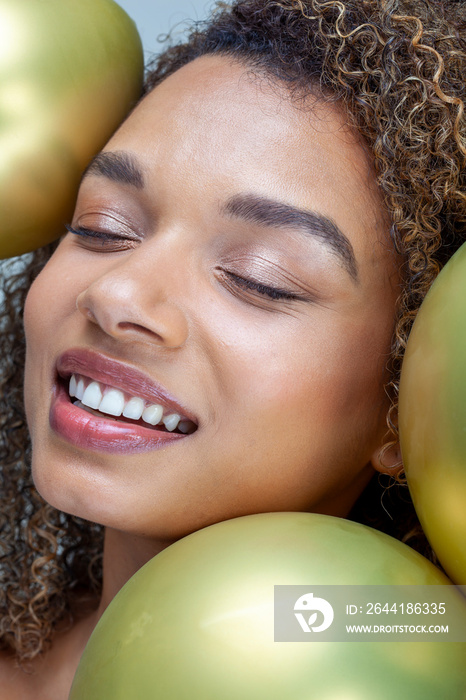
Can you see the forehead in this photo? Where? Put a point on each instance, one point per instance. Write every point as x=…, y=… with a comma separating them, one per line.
x=217, y=123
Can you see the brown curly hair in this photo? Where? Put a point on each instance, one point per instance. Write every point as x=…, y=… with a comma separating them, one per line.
x=398, y=66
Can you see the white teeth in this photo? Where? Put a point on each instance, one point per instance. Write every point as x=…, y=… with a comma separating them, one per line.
x=171, y=421
x=80, y=389
x=72, y=388
x=153, y=414
x=113, y=403
x=92, y=396
x=134, y=408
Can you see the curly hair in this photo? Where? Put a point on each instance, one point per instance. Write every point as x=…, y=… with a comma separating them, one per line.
x=398, y=68
x=49, y=561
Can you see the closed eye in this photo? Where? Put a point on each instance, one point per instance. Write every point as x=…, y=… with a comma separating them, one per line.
x=275, y=293
x=102, y=240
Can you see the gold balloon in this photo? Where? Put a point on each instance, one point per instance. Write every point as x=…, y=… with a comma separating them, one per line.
x=69, y=73
x=197, y=622
x=433, y=416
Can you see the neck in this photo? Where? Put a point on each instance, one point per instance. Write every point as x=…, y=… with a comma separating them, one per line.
x=124, y=554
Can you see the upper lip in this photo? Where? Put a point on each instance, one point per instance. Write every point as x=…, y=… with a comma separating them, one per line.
x=119, y=375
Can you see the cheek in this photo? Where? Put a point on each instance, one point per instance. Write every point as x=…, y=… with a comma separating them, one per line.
x=37, y=311
x=50, y=301
x=52, y=296
x=330, y=374
x=300, y=419
x=34, y=308
x=312, y=409
x=41, y=309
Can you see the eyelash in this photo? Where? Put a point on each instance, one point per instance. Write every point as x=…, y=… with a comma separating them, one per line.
x=274, y=293
x=90, y=233
x=103, y=241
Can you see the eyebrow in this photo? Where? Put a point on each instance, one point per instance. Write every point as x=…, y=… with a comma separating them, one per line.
x=117, y=166
x=273, y=214
x=122, y=167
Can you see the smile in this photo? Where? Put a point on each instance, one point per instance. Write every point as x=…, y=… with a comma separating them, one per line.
x=112, y=402
x=100, y=404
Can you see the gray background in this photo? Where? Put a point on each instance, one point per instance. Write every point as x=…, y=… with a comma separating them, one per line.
x=154, y=18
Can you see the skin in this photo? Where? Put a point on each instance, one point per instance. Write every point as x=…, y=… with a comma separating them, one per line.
x=288, y=393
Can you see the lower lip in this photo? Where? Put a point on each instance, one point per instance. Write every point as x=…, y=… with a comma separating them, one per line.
x=89, y=432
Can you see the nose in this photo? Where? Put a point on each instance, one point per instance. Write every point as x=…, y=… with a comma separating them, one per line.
x=130, y=303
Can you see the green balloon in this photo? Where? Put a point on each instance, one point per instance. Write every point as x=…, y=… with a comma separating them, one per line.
x=432, y=416
x=69, y=73
x=197, y=621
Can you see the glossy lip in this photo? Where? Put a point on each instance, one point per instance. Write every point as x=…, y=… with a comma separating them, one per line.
x=119, y=375
x=89, y=432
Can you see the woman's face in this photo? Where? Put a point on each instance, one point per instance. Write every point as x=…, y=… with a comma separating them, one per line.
x=232, y=265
